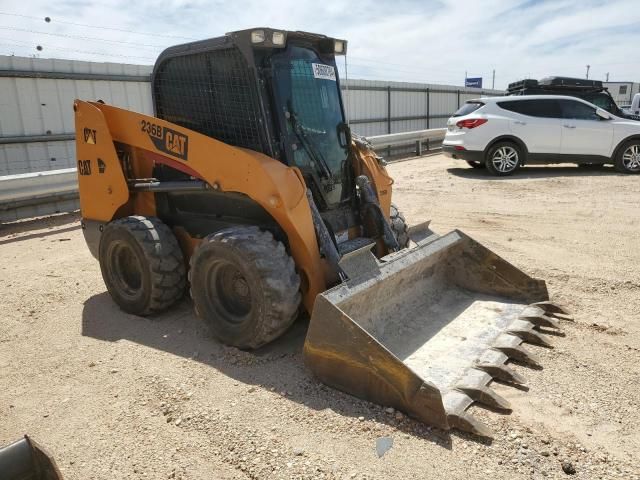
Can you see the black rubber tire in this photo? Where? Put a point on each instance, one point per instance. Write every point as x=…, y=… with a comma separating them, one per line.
x=619, y=161
x=399, y=226
x=476, y=164
x=142, y=264
x=489, y=164
x=244, y=286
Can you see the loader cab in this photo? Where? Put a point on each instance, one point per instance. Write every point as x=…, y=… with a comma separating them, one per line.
x=272, y=91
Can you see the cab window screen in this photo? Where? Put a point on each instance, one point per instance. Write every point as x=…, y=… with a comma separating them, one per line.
x=533, y=108
x=213, y=93
x=468, y=108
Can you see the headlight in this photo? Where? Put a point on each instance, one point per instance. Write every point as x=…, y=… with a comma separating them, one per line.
x=338, y=46
x=257, y=36
x=277, y=38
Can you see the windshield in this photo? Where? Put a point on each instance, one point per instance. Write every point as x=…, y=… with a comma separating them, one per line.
x=603, y=101
x=308, y=101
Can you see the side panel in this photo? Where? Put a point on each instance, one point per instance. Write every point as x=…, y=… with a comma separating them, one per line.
x=279, y=189
x=102, y=186
x=540, y=135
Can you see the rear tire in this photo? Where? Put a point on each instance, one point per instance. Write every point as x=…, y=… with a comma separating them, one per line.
x=476, y=164
x=142, y=264
x=628, y=157
x=503, y=158
x=244, y=286
x=399, y=226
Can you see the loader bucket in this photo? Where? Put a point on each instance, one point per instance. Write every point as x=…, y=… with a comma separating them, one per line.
x=428, y=330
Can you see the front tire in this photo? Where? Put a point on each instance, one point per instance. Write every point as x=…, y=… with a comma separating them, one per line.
x=399, y=226
x=503, y=158
x=244, y=286
x=142, y=264
x=628, y=157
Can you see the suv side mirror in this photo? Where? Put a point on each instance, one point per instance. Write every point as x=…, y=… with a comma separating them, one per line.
x=603, y=114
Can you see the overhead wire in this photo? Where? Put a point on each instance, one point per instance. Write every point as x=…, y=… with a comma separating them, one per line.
x=101, y=27
x=49, y=47
x=81, y=37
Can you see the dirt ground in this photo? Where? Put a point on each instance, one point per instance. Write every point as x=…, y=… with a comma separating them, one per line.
x=115, y=396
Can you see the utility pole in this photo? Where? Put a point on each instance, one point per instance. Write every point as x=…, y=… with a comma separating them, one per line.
x=588, y=67
x=493, y=80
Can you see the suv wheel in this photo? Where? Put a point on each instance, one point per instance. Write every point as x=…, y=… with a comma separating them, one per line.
x=628, y=158
x=503, y=158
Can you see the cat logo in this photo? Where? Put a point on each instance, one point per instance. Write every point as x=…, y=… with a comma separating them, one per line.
x=166, y=139
x=89, y=136
x=84, y=167
x=175, y=143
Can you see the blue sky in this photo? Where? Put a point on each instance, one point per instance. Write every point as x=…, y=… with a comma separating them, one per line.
x=405, y=40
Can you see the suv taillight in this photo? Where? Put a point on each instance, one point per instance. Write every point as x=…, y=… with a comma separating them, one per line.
x=471, y=122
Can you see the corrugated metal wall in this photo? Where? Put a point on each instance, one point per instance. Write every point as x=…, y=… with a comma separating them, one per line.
x=377, y=107
x=43, y=105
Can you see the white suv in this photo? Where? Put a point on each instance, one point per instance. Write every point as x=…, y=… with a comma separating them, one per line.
x=504, y=133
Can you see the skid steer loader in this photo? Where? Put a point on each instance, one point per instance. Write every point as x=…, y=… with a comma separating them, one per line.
x=248, y=185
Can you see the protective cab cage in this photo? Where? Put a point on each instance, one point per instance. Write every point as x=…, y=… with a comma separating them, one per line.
x=218, y=87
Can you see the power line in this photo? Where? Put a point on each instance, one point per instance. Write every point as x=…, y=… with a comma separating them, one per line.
x=49, y=47
x=97, y=26
x=80, y=37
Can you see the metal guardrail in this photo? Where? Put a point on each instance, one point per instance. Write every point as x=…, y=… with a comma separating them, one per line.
x=39, y=188
x=109, y=77
x=52, y=137
x=36, y=188
x=419, y=137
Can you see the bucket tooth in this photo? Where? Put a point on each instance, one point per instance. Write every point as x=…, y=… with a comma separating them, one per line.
x=519, y=354
x=553, y=308
x=468, y=423
x=486, y=396
x=530, y=336
x=541, y=320
x=502, y=372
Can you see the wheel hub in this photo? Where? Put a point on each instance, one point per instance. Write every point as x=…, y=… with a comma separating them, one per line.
x=127, y=269
x=631, y=158
x=229, y=290
x=505, y=159
x=240, y=287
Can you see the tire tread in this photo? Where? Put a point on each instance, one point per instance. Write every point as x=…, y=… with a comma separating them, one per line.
x=280, y=281
x=164, y=256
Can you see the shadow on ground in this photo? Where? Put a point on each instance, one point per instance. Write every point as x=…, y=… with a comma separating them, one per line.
x=537, y=171
x=277, y=366
x=45, y=226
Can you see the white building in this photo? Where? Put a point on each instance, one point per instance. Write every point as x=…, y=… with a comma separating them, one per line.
x=623, y=92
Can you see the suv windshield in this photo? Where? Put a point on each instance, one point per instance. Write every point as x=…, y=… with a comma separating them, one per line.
x=308, y=101
x=603, y=101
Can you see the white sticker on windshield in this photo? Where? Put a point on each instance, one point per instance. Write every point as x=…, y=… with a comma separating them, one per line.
x=324, y=72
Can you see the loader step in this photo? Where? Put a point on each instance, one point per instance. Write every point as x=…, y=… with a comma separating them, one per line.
x=354, y=244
